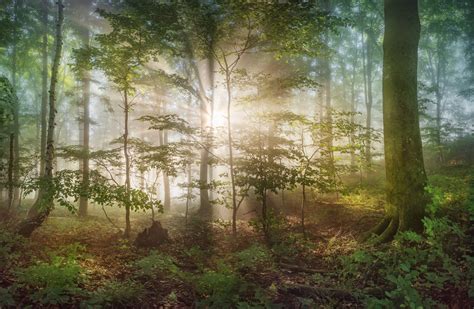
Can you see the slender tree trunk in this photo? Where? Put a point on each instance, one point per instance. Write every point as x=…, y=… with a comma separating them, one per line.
x=11, y=161
x=205, y=210
x=44, y=87
x=211, y=122
x=44, y=204
x=126, y=155
x=406, y=178
x=440, y=68
x=188, y=195
x=327, y=76
x=231, y=157
x=163, y=140
x=16, y=108
x=166, y=180
x=303, y=206
x=83, y=200
x=352, y=117
x=369, y=103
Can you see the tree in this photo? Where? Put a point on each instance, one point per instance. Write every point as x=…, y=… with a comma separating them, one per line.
x=406, y=178
x=42, y=207
x=120, y=57
x=44, y=84
x=7, y=106
x=84, y=33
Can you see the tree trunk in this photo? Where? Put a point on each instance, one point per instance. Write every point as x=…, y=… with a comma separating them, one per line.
x=231, y=156
x=189, y=192
x=368, y=103
x=44, y=87
x=16, y=107
x=83, y=200
x=126, y=155
x=166, y=180
x=303, y=206
x=405, y=172
x=212, y=107
x=163, y=140
x=44, y=204
x=11, y=160
x=352, y=117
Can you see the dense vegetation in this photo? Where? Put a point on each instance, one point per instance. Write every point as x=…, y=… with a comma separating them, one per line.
x=236, y=154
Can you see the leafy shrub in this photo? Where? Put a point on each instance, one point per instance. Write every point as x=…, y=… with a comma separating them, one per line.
x=254, y=258
x=409, y=266
x=55, y=282
x=116, y=293
x=220, y=288
x=157, y=264
x=6, y=298
x=8, y=242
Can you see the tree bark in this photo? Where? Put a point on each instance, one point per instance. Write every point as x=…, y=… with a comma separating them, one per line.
x=126, y=155
x=16, y=107
x=44, y=87
x=368, y=103
x=83, y=200
x=231, y=156
x=405, y=172
x=166, y=181
x=44, y=204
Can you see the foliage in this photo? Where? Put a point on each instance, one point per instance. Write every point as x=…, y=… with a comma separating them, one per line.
x=255, y=258
x=411, y=266
x=9, y=245
x=115, y=293
x=220, y=288
x=67, y=187
x=55, y=282
x=158, y=265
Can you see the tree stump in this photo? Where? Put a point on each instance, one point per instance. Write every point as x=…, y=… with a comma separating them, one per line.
x=153, y=236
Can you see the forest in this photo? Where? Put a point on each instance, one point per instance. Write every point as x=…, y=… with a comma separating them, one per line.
x=236, y=154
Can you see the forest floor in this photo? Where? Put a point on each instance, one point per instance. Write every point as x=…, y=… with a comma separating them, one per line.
x=203, y=264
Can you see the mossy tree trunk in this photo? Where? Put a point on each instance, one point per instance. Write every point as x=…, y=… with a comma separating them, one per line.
x=405, y=172
x=44, y=204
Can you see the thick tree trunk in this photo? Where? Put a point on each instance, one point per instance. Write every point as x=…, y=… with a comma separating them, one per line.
x=44, y=204
x=406, y=178
x=83, y=200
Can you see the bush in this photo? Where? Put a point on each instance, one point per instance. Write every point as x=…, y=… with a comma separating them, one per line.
x=410, y=267
x=8, y=243
x=55, y=282
x=256, y=257
x=158, y=264
x=115, y=293
x=220, y=288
